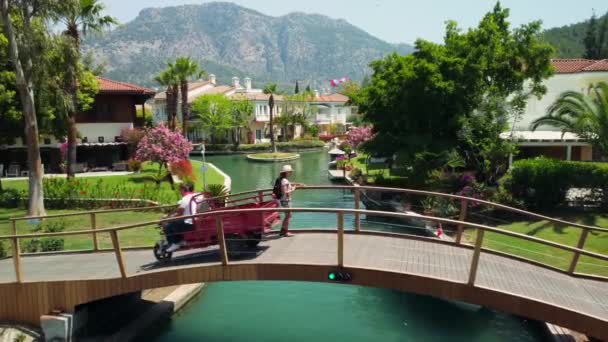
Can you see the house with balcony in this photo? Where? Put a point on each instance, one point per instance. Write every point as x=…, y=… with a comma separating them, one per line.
x=100, y=144
x=331, y=110
x=570, y=75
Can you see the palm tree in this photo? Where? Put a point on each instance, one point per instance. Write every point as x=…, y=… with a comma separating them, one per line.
x=584, y=115
x=168, y=78
x=186, y=68
x=271, y=89
x=79, y=17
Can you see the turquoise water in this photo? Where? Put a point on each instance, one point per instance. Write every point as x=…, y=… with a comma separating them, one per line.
x=297, y=311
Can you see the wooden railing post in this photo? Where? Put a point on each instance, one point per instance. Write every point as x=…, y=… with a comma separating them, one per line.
x=94, y=227
x=17, y=259
x=261, y=196
x=219, y=225
x=464, y=204
x=357, y=206
x=119, y=257
x=475, y=259
x=14, y=225
x=340, y=238
x=579, y=245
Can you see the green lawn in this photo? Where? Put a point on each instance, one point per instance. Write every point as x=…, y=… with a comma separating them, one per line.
x=374, y=170
x=129, y=238
x=133, y=183
x=596, y=242
x=145, y=236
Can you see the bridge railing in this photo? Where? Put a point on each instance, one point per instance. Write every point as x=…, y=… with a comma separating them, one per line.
x=224, y=240
x=484, y=212
x=518, y=245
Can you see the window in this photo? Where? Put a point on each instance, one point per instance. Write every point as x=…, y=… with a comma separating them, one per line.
x=258, y=134
x=104, y=112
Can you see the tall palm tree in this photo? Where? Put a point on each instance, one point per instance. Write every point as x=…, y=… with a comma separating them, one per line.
x=168, y=78
x=271, y=89
x=79, y=17
x=186, y=68
x=583, y=114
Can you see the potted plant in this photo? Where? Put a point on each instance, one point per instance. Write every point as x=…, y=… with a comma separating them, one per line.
x=216, y=190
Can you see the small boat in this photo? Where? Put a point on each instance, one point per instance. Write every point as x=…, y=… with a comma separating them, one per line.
x=335, y=153
x=333, y=173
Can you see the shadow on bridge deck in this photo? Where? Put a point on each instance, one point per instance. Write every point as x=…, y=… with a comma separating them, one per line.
x=415, y=265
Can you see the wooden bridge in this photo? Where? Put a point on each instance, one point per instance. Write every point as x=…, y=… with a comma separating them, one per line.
x=32, y=285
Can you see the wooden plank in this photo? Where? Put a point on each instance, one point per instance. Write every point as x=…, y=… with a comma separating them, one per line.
x=340, y=216
x=579, y=245
x=219, y=226
x=94, y=227
x=475, y=258
x=357, y=206
x=118, y=252
x=17, y=259
x=464, y=204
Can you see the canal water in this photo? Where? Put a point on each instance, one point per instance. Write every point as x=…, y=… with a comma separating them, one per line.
x=297, y=311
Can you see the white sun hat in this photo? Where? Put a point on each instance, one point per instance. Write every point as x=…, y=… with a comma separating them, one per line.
x=286, y=168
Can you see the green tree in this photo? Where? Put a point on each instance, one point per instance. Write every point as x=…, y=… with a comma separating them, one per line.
x=169, y=79
x=21, y=22
x=79, y=18
x=215, y=112
x=242, y=112
x=592, y=49
x=584, y=115
x=186, y=68
x=271, y=89
x=296, y=111
x=416, y=103
x=297, y=90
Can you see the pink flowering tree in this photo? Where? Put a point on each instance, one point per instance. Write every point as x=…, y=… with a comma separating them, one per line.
x=358, y=135
x=161, y=145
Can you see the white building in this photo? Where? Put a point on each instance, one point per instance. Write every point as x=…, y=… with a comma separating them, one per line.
x=570, y=75
x=330, y=109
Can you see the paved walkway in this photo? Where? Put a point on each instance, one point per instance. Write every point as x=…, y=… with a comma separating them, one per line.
x=363, y=251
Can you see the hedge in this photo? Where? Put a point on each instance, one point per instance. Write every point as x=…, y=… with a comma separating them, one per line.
x=542, y=183
x=281, y=146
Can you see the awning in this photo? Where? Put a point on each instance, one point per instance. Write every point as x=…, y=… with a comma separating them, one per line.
x=542, y=136
x=103, y=144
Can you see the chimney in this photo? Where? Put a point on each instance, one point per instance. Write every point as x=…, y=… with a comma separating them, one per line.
x=316, y=93
x=235, y=82
x=247, y=83
x=212, y=79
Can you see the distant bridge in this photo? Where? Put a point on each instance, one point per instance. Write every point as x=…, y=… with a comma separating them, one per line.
x=33, y=285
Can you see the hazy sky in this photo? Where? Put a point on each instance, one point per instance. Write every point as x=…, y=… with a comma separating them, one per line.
x=398, y=20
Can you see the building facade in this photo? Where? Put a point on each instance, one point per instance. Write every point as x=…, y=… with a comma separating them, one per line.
x=329, y=111
x=570, y=75
x=100, y=143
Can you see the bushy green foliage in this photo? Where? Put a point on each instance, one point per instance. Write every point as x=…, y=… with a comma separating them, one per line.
x=10, y=198
x=542, y=183
x=416, y=103
x=282, y=146
x=3, y=251
x=47, y=244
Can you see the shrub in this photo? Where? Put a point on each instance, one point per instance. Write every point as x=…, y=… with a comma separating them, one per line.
x=49, y=244
x=3, y=251
x=134, y=165
x=281, y=146
x=10, y=198
x=542, y=183
x=183, y=169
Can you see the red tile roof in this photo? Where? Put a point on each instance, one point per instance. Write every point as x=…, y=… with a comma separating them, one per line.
x=570, y=66
x=116, y=87
x=337, y=97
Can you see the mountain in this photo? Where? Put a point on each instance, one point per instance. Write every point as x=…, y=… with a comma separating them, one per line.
x=568, y=40
x=229, y=40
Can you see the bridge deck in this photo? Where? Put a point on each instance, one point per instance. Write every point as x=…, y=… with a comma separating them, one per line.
x=363, y=251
